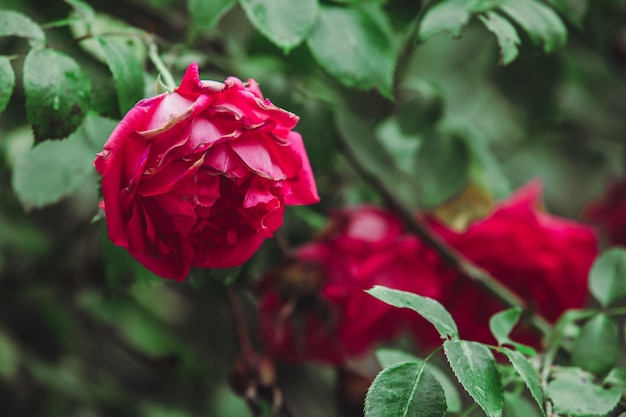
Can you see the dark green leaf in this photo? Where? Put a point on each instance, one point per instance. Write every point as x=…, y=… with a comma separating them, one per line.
x=502, y=323
x=7, y=82
x=607, y=279
x=596, y=348
x=55, y=169
x=426, y=307
x=16, y=24
x=506, y=35
x=541, y=23
x=352, y=47
x=573, y=10
x=205, y=14
x=9, y=356
x=57, y=93
x=442, y=167
x=284, y=22
x=528, y=373
x=389, y=357
x=449, y=15
x=576, y=396
x=358, y=135
x=405, y=389
x=475, y=368
x=126, y=70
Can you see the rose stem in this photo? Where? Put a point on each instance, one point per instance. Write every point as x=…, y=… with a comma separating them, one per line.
x=240, y=322
x=450, y=256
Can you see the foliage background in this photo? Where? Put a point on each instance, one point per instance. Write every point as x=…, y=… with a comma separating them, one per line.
x=85, y=331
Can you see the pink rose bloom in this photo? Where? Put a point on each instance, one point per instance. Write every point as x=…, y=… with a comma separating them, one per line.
x=201, y=177
x=316, y=308
x=542, y=258
x=609, y=213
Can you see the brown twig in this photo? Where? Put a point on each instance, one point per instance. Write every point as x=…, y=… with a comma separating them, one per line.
x=240, y=322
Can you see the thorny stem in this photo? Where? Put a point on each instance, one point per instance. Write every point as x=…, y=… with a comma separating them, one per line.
x=450, y=256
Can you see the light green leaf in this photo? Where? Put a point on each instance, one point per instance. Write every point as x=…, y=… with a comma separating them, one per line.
x=83, y=10
x=505, y=32
x=7, y=82
x=516, y=406
x=529, y=374
x=16, y=24
x=389, y=357
x=403, y=390
x=126, y=70
x=575, y=396
x=596, y=348
x=442, y=167
x=45, y=174
x=58, y=93
x=205, y=14
x=475, y=368
x=607, y=278
x=352, y=47
x=617, y=377
x=426, y=307
x=449, y=15
x=284, y=22
x=502, y=323
x=9, y=356
x=541, y=23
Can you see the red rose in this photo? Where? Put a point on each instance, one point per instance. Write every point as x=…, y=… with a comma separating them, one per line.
x=201, y=177
x=316, y=307
x=542, y=258
x=609, y=213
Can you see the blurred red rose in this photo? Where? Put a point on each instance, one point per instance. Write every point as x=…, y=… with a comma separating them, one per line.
x=609, y=213
x=542, y=258
x=201, y=177
x=316, y=308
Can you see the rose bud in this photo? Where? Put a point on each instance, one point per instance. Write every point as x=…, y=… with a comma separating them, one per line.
x=201, y=176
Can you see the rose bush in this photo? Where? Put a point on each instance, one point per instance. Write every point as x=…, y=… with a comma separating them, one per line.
x=609, y=213
x=315, y=308
x=201, y=176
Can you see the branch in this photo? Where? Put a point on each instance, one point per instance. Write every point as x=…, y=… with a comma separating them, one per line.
x=449, y=255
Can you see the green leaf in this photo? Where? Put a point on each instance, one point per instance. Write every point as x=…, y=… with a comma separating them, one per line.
x=576, y=396
x=573, y=10
x=389, y=357
x=607, y=278
x=475, y=368
x=616, y=377
x=52, y=170
x=541, y=23
x=516, y=406
x=442, y=167
x=502, y=323
x=359, y=137
x=7, y=82
x=16, y=24
x=596, y=348
x=449, y=15
x=205, y=14
x=284, y=22
x=126, y=70
x=527, y=371
x=505, y=32
x=9, y=356
x=57, y=93
x=352, y=47
x=426, y=307
x=83, y=10
x=405, y=389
